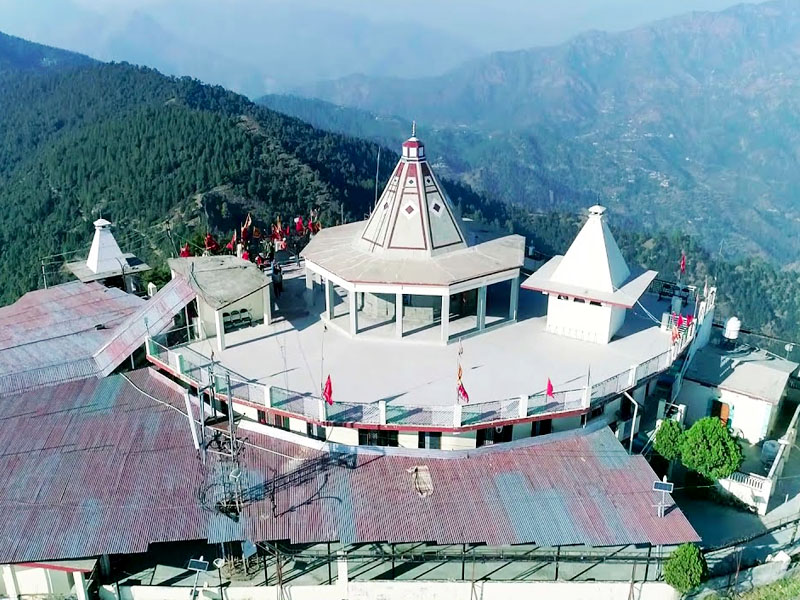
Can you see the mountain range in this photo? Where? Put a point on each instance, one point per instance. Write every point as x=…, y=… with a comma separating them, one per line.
x=168, y=159
x=689, y=123
x=248, y=46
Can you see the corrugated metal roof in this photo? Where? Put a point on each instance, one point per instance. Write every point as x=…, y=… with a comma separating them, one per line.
x=49, y=336
x=98, y=466
x=155, y=316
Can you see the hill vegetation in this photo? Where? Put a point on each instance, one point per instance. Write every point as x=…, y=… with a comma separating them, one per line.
x=166, y=158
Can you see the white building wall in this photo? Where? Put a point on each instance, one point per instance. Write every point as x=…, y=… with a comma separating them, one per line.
x=343, y=435
x=750, y=418
x=254, y=303
x=459, y=441
x=617, y=320
x=578, y=319
x=34, y=581
x=403, y=590
x=408, y=439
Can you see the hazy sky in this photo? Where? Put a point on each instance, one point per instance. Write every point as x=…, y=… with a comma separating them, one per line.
x=486, y=24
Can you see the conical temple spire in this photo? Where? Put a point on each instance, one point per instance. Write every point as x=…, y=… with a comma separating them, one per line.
x=594, y=260
x=413, y=217
x=104, y=255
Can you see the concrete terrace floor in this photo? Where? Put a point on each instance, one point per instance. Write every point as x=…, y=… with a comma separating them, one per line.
x=297, y=353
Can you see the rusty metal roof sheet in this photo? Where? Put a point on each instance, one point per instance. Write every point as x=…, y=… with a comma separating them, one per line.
x=108, y=466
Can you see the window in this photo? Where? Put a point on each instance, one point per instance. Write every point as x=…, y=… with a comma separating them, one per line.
x=430, y=439
x=316, y=432
x=493, y=435
x=373, y=437
x=594, y=303
x=262, y=417
x=280, y=422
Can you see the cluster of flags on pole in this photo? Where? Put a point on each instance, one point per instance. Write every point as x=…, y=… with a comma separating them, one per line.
x=461, y=392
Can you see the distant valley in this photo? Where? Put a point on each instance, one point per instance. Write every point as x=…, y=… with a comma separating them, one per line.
x=690, y=123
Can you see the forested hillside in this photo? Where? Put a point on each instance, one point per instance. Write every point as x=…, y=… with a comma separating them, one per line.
x=147, y=151
x=688, y=122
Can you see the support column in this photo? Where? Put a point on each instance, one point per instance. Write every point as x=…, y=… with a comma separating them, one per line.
x=220, y=330
x=309, y=293
x=81, y=591
x=398, y=315
x=481, y=308
x=10, y=581
x=268, y=304
x=352, y=296
x=329, y=299
x=513, y=305
x=446, y=317
x=342, y=575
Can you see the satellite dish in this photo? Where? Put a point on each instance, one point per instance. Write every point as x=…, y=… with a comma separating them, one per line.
x=789, y=347
x=499, y=429
x=219, y=563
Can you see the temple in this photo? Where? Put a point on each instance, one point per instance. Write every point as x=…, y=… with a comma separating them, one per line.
x=411, y=266
x=392, y=392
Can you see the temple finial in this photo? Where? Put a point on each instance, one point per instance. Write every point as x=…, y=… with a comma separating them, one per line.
x=413, y=129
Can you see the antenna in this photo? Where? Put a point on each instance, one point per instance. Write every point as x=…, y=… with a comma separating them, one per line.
x=413, y=129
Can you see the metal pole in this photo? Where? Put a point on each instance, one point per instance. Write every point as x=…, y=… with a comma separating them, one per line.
x=330, y=571
x=44, y=275
x=647, y=563
x=219, y=572
x=558, y=554
x=463, y=561
x=266, y=575
x=230, y=417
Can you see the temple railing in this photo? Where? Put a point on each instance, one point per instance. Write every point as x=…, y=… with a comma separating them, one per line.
x=197, y=370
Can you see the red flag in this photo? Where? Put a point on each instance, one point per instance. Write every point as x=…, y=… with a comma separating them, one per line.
x=246, y=255
x=327, y=393
x=246, y=227
x=287, y=232
x=211, y=244
x=549, y=388
x=463, y=396
x=683, y=263
x=299, y=226
x=185, y=252
x=680, y=320
x=689, y=319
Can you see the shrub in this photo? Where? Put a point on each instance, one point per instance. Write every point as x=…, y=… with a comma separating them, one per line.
x=708, y=448
x=668, y=439
x=686, y=568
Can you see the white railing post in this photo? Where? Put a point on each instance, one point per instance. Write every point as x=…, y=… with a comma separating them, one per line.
x=523, y=406
x=632, y=376
x=180, y=364
x=586, y=401
x=268, y=396
x=456, y=415
x=382, y=412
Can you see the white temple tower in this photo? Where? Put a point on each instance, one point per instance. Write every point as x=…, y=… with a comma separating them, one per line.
x=590, y=288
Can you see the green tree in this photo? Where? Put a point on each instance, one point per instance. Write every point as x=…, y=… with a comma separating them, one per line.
x=709, y=449
x=686, y=568
x=668, y=439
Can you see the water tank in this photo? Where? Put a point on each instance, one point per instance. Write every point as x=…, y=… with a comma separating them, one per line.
x=732, y=327
x=769, y=450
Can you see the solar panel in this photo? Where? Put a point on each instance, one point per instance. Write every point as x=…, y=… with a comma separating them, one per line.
x=663, y=486
x=197, y=565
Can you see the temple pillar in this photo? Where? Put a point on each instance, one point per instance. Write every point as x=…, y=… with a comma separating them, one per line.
x=398, y=315
x=10, y=582
x=329, y=301
x=482, y=308
x=309, y=293
x=445, y=317
x=352, y=296
x=220, y=326
x=513, y=305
